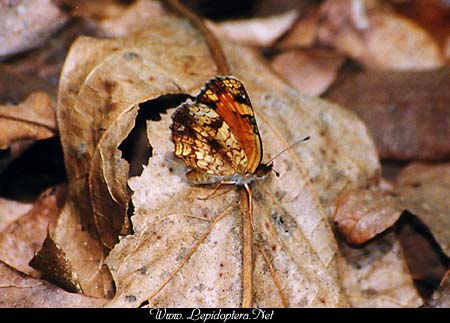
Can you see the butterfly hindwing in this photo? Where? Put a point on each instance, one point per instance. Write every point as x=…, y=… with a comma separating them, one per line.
x=205, y=143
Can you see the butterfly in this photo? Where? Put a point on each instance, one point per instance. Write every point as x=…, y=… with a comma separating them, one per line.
x=217, y=136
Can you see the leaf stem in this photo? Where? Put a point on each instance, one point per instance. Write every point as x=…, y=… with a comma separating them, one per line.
x=247, y=247
x=211, y=40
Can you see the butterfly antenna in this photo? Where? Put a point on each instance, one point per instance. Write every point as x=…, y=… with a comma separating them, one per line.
x=286, y=149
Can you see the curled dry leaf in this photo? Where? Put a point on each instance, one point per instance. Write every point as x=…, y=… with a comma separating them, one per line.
x=32, y=119
x=363, y=214
x=310, y=72
x=27, y=24
x=21, y=239
x=376, y=37
x=295, y=246
x=20, y=290
x=11, y=210
x=421, y=189
x=406, y=112
x=256, y=31
x=377, y=275
x=52, y=262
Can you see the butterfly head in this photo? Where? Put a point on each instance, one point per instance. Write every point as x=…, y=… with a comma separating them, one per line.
x=263, y=170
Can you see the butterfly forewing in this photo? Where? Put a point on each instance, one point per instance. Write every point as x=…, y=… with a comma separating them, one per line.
x=217, y=136
x=227, y=96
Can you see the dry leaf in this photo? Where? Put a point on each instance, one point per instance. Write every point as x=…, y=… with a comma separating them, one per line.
x=424, y=190
x=376, y=275
x=39, y=69
x=376, y=37
x=21, y=239
x=11, y=210
x=303, y=33
x=52, y=262
x=27, y=24
x=33, y=119
x=310, y=72
x=134, y=18
x=363, y=214
x=19, y=290
x=161, y=62
x=426, y=261
x=421, y=189
x=256, y=31
x=406, y=112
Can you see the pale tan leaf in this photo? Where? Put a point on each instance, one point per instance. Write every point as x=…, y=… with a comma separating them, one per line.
x=376, y=275
x=32, y=119
x=134, y=18
x=11, y=210
x=256, y=31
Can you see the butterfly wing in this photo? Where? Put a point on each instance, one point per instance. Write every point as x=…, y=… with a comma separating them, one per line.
x=227, y=96
x=205, y=142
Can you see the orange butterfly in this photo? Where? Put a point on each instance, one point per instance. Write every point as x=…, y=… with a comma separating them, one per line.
x=217, y=136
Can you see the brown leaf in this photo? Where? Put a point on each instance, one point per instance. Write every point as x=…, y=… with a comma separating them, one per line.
x=83, y=253
x=21, y=239
x=376, y=275
x=52, y=262
x=291, y=213
x=27, y=24
x=362, y=214
x=310, y=72
x=426, y=261
x=441, y=297
x=33, y=119
x=406, y=112
x=377, y=37
x=19, y=290
x=263, y=31
x=447, y=49
x=12, y=210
